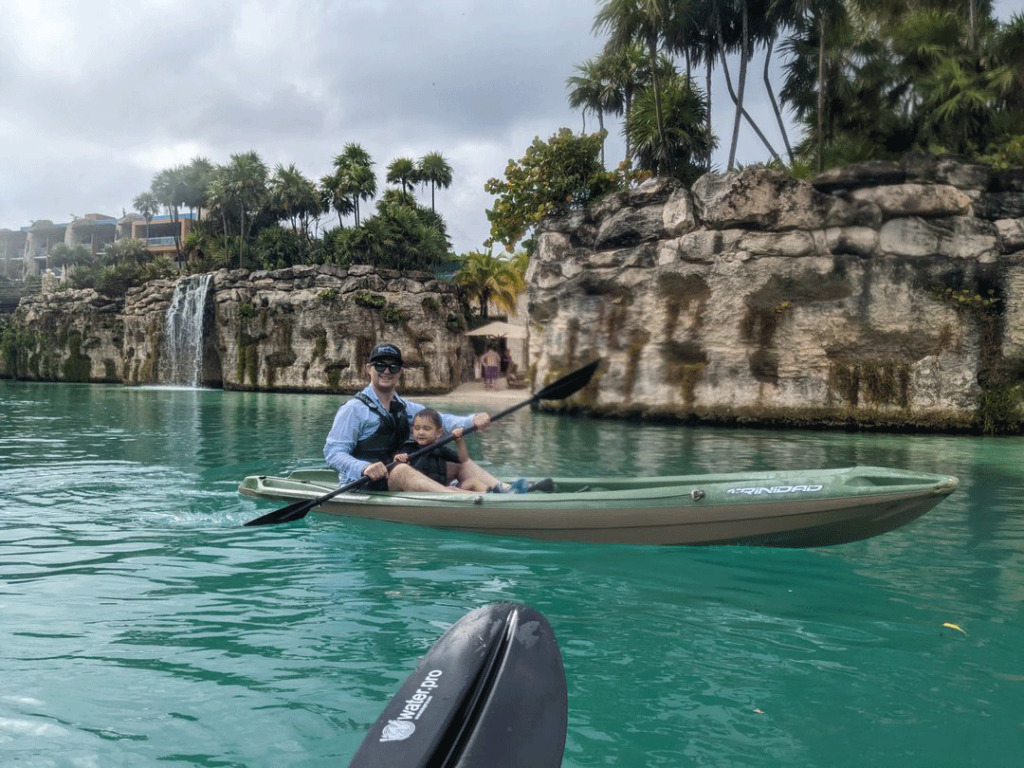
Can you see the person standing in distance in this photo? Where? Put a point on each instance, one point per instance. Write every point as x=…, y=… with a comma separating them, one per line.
x=369, y=429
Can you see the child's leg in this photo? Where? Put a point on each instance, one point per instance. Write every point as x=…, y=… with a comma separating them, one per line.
x=471, y=476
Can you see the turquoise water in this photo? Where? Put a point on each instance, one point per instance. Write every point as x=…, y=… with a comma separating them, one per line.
x=141, y=625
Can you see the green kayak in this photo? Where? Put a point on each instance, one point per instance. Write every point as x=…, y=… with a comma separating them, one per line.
x=808, y=508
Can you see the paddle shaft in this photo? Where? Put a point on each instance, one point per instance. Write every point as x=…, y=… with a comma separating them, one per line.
x=564, y=387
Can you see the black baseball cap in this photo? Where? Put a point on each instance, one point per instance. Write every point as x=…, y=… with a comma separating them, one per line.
x=386, y=351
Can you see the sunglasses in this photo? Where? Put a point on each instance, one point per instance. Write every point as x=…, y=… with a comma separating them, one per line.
x=389, y=367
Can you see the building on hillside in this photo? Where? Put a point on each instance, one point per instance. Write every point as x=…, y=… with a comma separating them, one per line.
x=12, y=252
x=160, y=232
x=43, y=235
x=27, y=252
x=94, y=230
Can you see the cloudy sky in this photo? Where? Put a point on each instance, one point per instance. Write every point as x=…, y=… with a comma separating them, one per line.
x=96, y=97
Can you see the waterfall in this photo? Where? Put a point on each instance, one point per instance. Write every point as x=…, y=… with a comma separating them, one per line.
x=183, y=358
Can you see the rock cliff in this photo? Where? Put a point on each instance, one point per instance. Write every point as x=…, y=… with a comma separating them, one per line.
x=307, y=328
x=885, y=294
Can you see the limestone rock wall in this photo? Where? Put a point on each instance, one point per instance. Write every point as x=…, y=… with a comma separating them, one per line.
x=888, y=294
x=73, y=335
x=312, y=328
x=307, y=328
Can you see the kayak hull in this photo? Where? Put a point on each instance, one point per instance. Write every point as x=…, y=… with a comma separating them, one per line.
x=808, y=508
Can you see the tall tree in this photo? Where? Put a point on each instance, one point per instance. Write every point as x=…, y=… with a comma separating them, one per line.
x=433, y=169
x=627, y=72
x=169, y=187
x=643, y=21
x=334, y=194
x=294, y=197
x=196, y=178
x=147, y=204
x=592, y=89
x=244, y=181
x=356, y=179
x=826, y=20
x=681, y=149
x=402, y=171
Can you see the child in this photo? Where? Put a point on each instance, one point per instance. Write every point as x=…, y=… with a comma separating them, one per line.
x=426, y=429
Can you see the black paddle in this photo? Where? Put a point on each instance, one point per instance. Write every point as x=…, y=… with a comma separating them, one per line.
x=489, y=694
x=559, y=390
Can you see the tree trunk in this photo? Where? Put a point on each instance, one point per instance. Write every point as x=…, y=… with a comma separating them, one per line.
x=652, y=46
x=743, y=86
x=735, y=99
x=775, y=103
x=707, y=86
x=821, y=93
x=629, y=108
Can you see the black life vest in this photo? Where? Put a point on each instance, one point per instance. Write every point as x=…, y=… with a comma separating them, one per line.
x=433, y=464
x=393, y=430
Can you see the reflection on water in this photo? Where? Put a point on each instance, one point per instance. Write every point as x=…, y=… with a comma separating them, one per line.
x=142, y=625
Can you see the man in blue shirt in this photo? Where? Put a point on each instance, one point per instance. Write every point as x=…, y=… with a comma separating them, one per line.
x=370, y=427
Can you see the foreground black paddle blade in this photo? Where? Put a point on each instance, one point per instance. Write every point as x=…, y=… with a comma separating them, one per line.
x=568, y=385
x=489, y=694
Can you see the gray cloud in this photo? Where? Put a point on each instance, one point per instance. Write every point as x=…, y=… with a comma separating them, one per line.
x=97, y=98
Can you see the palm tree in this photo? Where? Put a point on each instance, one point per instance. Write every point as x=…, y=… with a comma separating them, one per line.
x=169, y=188
x=748, y=29
x=244, y=185
x=487, y=278
x=148, y=205
x=294, y=196
x=627, y=72
x=681, y=149
x=334, y=194
x=825, y=20
x=592, y=89
x=644, y=21
x=433, y=169
x=196, y=178
x=402, y=171
x=355, y=177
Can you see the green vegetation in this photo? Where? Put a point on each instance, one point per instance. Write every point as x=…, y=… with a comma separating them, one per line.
x=389, y=313
x=124, y=263
x=552, y=178
x=370, y=300
x=966, y=300
x=865, y=80
x=258, y=218
x=491, y=280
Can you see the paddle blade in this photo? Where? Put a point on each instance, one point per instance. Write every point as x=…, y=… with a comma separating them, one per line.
x=295, y=511
x=489, y=694
x=570, y=384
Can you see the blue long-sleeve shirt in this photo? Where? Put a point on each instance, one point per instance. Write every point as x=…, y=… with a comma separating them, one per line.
x=354, y=421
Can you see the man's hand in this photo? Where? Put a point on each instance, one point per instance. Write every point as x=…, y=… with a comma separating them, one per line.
x=480, y=420
x=376, y=471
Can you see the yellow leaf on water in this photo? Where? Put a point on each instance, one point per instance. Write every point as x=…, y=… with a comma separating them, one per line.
x=954, y=626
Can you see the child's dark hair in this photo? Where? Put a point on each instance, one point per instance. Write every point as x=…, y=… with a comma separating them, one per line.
x=434, y=416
